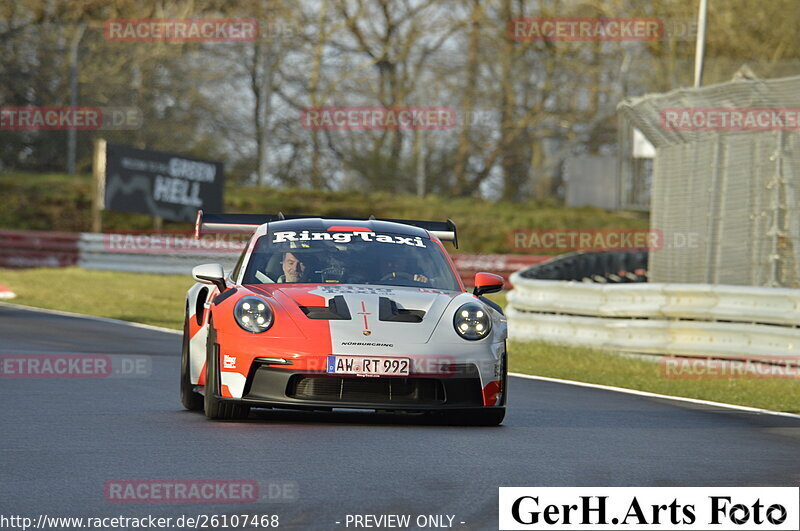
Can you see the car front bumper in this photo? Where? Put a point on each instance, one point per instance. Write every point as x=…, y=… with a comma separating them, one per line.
x=282, y=387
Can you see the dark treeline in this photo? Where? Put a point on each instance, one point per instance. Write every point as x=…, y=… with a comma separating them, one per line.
x=520, y=107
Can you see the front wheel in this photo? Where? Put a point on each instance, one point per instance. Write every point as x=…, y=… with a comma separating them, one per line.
x=216, y=408
x=190, y=400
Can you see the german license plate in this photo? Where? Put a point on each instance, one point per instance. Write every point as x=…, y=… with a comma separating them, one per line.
x=368, y=365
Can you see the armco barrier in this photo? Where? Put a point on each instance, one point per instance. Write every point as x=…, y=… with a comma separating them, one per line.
x=96, y=251
x=28, y=248
x=95, y=254
x=682, y=319
x=683, y=338
x=779, y=306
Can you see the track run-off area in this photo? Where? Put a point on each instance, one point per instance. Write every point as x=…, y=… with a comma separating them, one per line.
x=66, y=441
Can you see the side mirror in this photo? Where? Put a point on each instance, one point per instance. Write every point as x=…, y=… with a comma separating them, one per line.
x=487, y=283
x=210, y=274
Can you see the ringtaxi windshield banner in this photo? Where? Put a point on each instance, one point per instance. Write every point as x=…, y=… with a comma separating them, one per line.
x=650, y=508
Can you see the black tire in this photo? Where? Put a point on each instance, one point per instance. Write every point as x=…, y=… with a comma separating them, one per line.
x=190, y=400
x=478, y=417
x=504, y=402
x=214, y=407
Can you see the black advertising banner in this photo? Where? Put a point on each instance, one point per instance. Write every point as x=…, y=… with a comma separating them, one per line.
x=167, y=185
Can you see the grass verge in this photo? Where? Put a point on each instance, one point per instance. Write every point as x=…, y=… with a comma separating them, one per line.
x=593, y=366
x=158, y=300
x=143, y=298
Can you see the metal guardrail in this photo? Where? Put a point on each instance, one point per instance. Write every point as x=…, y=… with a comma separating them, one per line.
x=29, y=248
x=683, y=338
x=681, y=319
x=101, y=252
x=744, y=304
x=96, y=252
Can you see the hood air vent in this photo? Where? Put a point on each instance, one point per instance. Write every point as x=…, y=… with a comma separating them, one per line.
x=388, y=311
x=336, y=310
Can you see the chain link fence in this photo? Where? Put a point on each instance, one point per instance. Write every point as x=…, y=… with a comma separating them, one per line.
x=734, y=187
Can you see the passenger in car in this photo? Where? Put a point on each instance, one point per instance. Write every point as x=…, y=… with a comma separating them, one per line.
x=397, y=266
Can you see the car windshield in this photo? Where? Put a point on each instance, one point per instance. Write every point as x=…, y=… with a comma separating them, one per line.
x=349, y=257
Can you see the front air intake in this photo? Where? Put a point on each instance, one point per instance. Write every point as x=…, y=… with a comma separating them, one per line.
x=367, y=390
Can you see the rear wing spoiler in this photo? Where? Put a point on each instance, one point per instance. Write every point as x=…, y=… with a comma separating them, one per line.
x=444, y=230
x=248, y=223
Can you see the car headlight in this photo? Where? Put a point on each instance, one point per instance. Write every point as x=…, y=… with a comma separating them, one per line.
x=253, y=314
x=472, y=321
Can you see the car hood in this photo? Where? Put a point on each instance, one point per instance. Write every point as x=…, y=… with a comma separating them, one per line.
x=364, y=315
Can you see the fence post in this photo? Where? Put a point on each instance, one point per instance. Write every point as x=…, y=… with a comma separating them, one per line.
x=99, y=184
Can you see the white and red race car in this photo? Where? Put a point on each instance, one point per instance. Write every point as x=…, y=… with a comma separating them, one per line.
x=322, y=314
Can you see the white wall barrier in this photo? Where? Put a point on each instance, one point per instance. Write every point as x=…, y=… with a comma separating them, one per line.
x=682, y=319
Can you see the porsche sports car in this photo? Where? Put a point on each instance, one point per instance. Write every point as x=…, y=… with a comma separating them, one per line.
x=324, y=314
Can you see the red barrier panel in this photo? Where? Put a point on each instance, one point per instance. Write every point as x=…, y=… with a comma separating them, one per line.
x=29, y=248
x=502, y=264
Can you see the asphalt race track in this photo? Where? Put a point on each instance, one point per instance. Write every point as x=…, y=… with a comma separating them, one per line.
x=62, y=439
